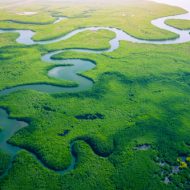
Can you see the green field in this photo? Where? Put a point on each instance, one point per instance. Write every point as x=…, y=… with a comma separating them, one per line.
x=140, y=97
x=181, y=24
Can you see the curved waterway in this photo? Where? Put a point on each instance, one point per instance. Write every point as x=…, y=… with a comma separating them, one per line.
x=72, y=69
x=57, y=20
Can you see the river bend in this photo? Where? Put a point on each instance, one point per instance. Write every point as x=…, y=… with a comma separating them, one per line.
x=76, y=66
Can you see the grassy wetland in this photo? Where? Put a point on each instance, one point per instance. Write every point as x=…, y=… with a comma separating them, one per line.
x=123, y=123
x=180, y=24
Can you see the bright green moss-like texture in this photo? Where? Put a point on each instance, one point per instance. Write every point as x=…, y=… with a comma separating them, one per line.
x=127, y=132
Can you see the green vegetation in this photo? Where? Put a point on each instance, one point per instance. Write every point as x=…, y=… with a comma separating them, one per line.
x=180, y=24
x=39, y=18
x=7, y=39
x=27, y=173
x=140, y=96
x=4, y=161
x=134, y=18
x=147, y=107
x=85, y=40
x=26, y=63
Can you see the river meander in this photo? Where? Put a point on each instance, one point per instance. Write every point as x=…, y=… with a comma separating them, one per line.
x=10, y=126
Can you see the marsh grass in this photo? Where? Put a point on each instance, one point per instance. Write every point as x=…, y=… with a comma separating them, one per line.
x=141, y=90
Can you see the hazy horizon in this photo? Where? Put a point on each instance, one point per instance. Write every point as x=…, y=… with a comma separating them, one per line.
x=17, y=3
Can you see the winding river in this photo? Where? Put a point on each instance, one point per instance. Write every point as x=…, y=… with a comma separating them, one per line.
x=70, y=72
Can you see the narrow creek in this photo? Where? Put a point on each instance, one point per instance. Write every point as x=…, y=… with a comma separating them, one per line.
x=71, y=72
